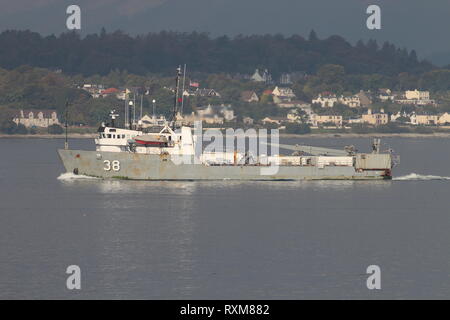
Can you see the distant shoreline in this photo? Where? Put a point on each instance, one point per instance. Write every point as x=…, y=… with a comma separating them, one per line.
x=49, y=136
x=367, y=135
x=282, y=135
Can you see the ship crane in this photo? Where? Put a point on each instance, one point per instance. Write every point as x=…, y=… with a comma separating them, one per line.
x=317, y=151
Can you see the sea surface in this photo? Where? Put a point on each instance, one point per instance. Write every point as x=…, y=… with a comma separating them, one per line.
x=222, y=239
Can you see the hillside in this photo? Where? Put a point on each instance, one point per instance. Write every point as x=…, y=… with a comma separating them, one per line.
x=160, y=52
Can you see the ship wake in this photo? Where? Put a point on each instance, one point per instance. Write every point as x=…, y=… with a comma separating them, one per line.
x=68, y=176
x=419, y=177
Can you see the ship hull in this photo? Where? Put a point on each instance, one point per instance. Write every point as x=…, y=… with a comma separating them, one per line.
x=133, y=166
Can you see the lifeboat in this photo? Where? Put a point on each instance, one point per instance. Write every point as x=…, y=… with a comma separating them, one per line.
x=151, y=140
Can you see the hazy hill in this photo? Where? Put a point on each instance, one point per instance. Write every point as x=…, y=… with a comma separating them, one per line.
x=407, y=23
x=161, y=52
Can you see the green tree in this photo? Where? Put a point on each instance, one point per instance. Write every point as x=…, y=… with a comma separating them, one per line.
x=55, y=129
x=407, y=81
x=403, y=119
x=361, y=128
x=331, y=73
x=436, y=80
x=329, y=77
x=392, y=127
x=21, y=129
x=298, y=128
x=8, y=127
x=423, y=130
x=120, y=53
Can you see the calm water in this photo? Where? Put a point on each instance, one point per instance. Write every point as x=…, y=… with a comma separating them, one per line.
x=224, y=240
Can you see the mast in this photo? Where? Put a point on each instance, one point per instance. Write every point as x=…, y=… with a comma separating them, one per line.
x=182, y=91
x=113, y=116
x=130, y=108
x=66, y=142
x=126, y=113
x=142, y=101
x=134, y=109
x=175, y=104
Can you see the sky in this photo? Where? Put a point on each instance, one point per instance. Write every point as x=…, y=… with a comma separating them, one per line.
x=414, y=24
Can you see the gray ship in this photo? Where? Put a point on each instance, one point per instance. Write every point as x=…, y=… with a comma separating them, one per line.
x=176, y=153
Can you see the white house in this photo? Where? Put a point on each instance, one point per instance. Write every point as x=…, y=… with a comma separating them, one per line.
x=418, y=95
x=444, y=118
x=350, y=101
x=249, y=96
x=207, y=93
x=326, y=119
x=326, y=101
x=375, y=118
x=386, y=95
x=93, y=89
x=283, y=92
x=424, y=119
x=294, y=104
x=209, y=114
x=37, y=118
x=286, y=79
x=355, y=120
x=153, y=121
x=264, y=77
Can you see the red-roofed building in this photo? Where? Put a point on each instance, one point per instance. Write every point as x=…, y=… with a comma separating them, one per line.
x=120, y=94
x=110, y=91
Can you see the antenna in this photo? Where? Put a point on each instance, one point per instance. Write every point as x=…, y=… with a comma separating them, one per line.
x=129, y=118
x=182, y=91
x=113, y=116
x=175, y=105
x=142, y=101
x=126, y=113
x=66, y=142
x=134, y=108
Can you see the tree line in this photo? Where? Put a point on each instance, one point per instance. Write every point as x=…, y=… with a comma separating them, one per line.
x=160, y=52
